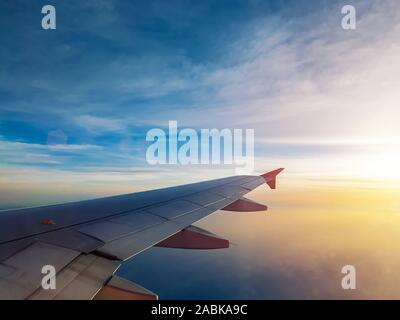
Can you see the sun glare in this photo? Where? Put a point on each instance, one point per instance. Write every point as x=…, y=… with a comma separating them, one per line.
x=383, y=166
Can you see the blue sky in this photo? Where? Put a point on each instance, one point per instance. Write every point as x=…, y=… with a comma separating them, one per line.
x=78, y=101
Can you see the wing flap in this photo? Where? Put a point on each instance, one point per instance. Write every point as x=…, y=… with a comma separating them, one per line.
x=194, y=238
x=253, y=183
x=25, y=268
x=10, y=248
x=191, y=217
x=245, y=205
x=80, y=280
x=173, y=209
x=71, y=239
x=128, y=246
x=121, y=289
x=203, y=198
x=230, y=191
x=220, y=204
x=107, y=231
x=139, y=220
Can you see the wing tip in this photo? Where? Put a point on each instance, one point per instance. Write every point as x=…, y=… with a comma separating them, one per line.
x=270, y=177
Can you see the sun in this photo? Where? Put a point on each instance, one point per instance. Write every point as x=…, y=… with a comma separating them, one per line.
x=383, y=165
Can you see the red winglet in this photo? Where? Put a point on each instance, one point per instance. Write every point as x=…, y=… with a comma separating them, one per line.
x=270, y=177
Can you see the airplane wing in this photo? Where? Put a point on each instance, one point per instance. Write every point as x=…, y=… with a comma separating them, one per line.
x=86, y=241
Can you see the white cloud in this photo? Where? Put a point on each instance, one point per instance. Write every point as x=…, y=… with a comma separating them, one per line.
x=99, y=125
x=40, y=154
x=309, y=78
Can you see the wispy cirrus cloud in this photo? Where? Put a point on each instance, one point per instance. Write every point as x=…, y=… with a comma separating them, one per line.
x=308, y=88
x=98, y=125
